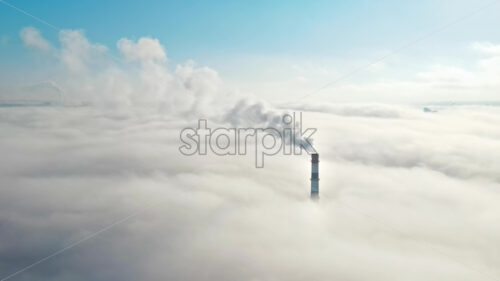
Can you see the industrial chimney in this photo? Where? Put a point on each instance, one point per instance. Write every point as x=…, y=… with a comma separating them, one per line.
x=314, y=176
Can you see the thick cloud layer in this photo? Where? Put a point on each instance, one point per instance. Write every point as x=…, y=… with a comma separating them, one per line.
x=405, y=198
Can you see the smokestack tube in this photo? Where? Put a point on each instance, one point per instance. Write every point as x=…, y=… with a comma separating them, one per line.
x=314, y=176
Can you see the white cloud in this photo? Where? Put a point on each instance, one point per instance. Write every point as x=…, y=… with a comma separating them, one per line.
x=438, y=82
x=32, y=38
x=481, y=79
x=90, y=75
x=448, y=76
x=487, y=48
x=76, y=51
x=145, y=50
x=400, y=78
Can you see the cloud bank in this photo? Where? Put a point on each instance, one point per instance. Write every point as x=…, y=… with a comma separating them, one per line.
x=408, y=197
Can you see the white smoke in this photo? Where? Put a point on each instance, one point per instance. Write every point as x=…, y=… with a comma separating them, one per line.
x=247, y=113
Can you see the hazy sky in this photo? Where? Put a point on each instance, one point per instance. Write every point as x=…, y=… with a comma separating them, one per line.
x=274, y=49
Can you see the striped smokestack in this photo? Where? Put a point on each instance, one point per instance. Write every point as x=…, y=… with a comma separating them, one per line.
x=314, y=176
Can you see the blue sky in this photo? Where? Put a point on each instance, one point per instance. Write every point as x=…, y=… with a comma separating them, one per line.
x=234, y=37
x=205, y=28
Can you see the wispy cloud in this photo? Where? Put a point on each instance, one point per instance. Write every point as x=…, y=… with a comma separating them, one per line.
x=32, y=38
